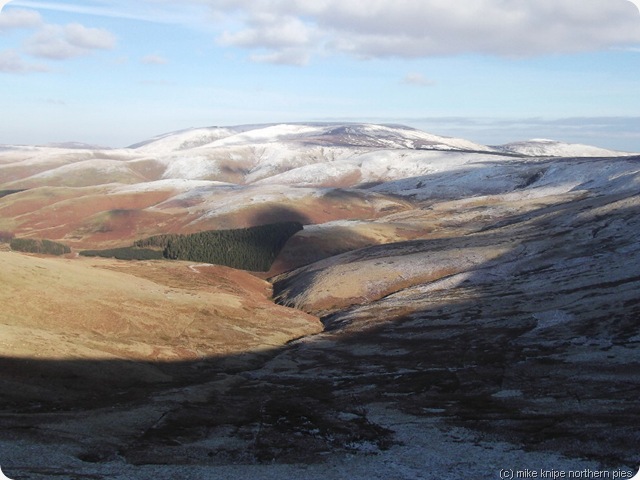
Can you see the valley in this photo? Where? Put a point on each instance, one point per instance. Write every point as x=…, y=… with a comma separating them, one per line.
x=448, y=307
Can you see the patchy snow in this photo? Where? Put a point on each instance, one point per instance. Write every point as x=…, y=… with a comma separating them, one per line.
x=333, y=224
x=347, y=135
x=183, y=140
x=592, y=173
x=286, y=164
x=383, y=165
x=400, y=160
x=427, y=449
x=179, y=184
x=191, y=168
x=102, y=166
x=313, y=175
x=212, y=199
x=551, y=318
x=458, y=175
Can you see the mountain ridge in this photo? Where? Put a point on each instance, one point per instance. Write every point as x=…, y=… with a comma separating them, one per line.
x=227, y=177
x=211, y=134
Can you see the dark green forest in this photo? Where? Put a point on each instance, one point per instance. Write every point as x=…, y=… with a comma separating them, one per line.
x=125, y=253
x=253, y=248
x=32, y=245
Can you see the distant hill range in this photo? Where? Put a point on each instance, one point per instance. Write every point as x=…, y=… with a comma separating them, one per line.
x=227, y=177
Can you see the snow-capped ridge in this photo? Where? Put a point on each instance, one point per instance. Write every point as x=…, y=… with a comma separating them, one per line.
x=362, y=135
x=312, y=155
x=76, y=146
x=182, y=140
x=544, y=147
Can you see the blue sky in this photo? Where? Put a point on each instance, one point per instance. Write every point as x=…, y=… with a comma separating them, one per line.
x=115, y=72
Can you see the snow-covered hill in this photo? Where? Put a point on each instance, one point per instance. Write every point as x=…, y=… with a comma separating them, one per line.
x=182, y=140
x=541, y=147
x=234, y=176
x=331, y=154
x=324, y=134
x=297, y=154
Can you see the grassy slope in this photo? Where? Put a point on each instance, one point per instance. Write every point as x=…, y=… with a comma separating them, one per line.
x=80, y=309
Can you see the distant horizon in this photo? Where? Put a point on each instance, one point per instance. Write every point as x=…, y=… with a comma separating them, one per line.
x=114, y=73
x=497, y=130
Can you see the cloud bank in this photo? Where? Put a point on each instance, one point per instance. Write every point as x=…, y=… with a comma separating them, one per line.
x=154, y=60
x=411, y=29
x=48, y=41
x=59, y=42
x=418, y=80
x=295, y=31
x=12, y=62
x=18, y=18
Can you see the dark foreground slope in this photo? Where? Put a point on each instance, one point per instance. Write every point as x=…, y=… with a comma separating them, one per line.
x=537, y=345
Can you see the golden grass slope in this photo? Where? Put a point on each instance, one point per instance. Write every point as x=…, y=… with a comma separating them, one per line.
x=62, y=308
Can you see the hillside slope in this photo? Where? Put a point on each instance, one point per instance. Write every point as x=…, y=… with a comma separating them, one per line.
x=525, y=326
x=448, y=307
x=97, y=320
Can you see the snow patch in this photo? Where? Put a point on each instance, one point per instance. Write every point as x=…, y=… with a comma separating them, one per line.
x=178, y=184
x=551, y=318
x=191, y=168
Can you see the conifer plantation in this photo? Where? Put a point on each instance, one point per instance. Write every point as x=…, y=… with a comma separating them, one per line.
x=253, y=248
x=32, y=245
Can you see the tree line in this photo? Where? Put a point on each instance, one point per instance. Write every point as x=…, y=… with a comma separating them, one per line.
x=125, y=253
x=33, y=245
x=253, y=248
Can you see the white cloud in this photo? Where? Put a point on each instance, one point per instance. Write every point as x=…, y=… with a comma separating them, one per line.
x=408, y=28
x=280, y=39
x=296, y=57
x=271, y=31
x=59, y=42
x=154, y=60
x=17, y=18
x=12, y=62
x=293, y=31
x=418, y=79
x=54, y=42
x=89, y=38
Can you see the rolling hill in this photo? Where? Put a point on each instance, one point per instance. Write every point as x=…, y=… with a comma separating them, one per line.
x=486, y=297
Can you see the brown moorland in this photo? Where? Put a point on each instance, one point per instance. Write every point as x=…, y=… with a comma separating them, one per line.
x=147, y=315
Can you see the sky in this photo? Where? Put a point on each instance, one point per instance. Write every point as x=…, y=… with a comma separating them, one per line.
x=117, y=72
